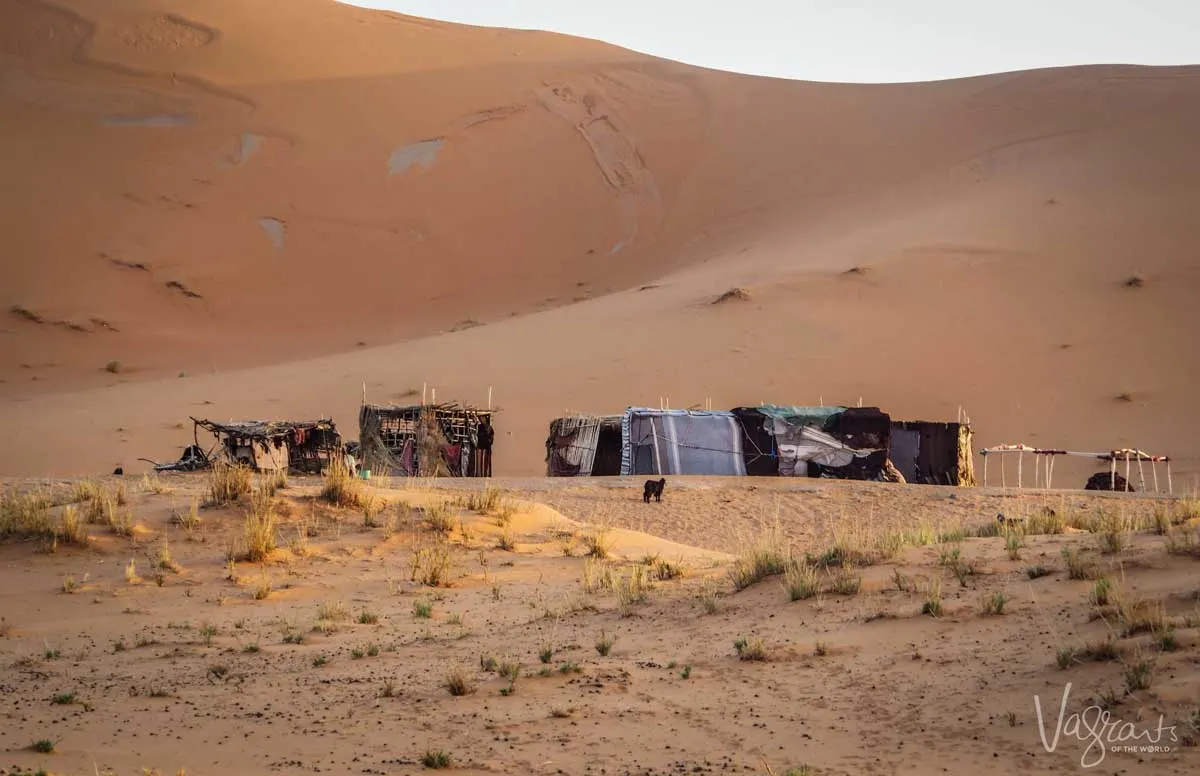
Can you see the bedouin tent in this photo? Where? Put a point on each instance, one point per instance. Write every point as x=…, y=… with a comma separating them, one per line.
x=832, y=442
x=662, y=442
x=584, y=446
x=933, y=453
x=766, y=426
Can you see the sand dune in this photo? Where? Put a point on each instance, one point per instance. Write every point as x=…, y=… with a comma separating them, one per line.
x=264, y=205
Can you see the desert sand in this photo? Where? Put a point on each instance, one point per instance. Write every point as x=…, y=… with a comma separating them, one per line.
x=916, y=643
x=267, y=209
x=254, y=209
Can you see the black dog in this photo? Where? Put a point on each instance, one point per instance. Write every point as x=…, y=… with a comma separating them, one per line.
x=654, y=488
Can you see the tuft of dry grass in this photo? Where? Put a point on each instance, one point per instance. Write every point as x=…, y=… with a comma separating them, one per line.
x=750, y=649
x=1079, y=567
x=800, y=581
x=227, y=483
x=597, y=576
x=341, y=488
x=1184, y=541
x=430, y=562
x=992, y=605
x=604, y=643
x=632, y=590
x=597, y=543
x=933, y=600
x=258, y=527
x=769, y=555
x=458, y=683
x=438, y=517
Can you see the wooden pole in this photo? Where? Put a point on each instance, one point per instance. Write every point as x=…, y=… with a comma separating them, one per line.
x=1126, y=472
x=424, y=386
x=1003, y=472
x=1020, y=468
x=1112, y=474
x=1141, y=474
x=985, y=471
x=1154, y=471
x=1170, y=485
x=489, y=398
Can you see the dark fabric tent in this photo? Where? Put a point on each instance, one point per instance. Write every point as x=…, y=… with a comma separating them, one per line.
x=584, y=446
x=933, y=453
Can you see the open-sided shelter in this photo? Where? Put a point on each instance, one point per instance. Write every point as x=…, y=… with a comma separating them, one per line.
x=933, y=453
x=303, y=447
x=426, y=440
x=584, y=446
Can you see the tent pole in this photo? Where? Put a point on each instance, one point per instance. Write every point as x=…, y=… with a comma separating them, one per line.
x=1141, y=473
x=1126, y=472
x=1020, y=467
x=1003, y=472
x=1170, y=485
x=1112, y=474
x=1154, y=471
x=985, y=471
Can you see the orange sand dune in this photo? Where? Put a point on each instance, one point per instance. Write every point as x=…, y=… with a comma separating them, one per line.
x=254, y=208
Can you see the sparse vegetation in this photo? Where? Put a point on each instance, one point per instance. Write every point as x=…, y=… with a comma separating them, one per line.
x=766, y=557
x=1100, y=591
x=1037, y=572
x=750, y=649
x=1079, y=567
x=341, y=488
x=227, y=483
x=800, y=580
x=604, y=643
x=430, y=562
x=1138, y=674
x=436, y=759
x=457, y=682
x=933, y=600
x=993, y=604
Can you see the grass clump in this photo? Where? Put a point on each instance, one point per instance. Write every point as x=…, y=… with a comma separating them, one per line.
x=604, y=644
x=430, y=562
x=933, y=600
x=1101, y=592
x=766, y=557
x=1183, y=541
x=800, y=581
x=1037, y=572
x=341, y=488
x=1079, y=567
x=457, y=683
x=227, y=483
x=597, y=543
x=435, y=760
x=750, y=649
x=994, y=604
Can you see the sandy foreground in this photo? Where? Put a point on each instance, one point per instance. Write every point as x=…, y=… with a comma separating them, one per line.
x=332, y=653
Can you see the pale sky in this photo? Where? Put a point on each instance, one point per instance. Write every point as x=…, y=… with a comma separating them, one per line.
x=857, y=40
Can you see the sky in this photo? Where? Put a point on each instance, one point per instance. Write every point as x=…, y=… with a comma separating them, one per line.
x=866, y=41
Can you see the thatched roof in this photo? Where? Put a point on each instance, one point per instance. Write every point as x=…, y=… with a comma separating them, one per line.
x=264, y=429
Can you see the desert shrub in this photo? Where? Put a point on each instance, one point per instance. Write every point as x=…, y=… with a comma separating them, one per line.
x=431, y=562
